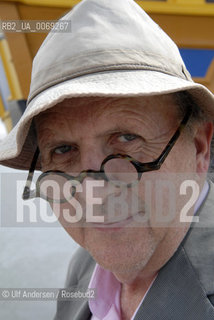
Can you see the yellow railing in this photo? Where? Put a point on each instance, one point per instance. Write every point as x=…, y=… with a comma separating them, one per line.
x=186, y=7
x=5, y=116
x=178, y=7
x=13, y=83
x=2, y=110
x=10, y=71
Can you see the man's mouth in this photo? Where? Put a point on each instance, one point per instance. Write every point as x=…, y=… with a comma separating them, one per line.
x=116, y=224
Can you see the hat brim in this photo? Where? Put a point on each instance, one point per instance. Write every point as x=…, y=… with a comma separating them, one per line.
x=17, y=149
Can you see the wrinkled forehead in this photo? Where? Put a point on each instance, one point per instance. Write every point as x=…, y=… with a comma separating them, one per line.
x=107, y=107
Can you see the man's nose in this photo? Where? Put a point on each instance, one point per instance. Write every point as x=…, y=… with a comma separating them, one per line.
x=91, y=158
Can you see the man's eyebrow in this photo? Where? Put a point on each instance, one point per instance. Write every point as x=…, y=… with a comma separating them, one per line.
x=57, y=142
x=120, y=129
x=54, y=142
x=112, y=131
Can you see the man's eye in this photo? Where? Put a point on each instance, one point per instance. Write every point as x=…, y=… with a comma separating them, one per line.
x=127, y=137
x=62, y=149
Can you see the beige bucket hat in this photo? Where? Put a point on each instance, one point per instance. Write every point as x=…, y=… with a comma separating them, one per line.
x=114, y=49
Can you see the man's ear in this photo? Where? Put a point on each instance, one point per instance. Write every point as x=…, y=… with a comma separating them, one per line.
x=202, y=139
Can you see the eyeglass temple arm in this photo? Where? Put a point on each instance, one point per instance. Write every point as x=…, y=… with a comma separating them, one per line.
x=172, y=141
x=27, y=193
x=150, y=166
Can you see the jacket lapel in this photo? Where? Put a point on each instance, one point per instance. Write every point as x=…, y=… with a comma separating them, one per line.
x=83, y=312
x=176, y=294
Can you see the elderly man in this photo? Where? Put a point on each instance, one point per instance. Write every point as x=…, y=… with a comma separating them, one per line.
x=117, y=125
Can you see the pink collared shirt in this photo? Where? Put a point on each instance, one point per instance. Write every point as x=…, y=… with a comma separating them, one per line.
x=106, y=305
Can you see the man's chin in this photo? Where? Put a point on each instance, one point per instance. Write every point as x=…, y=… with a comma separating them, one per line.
x=121, y=258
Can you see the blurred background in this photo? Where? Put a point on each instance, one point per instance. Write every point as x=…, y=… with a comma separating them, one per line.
x=38, y=255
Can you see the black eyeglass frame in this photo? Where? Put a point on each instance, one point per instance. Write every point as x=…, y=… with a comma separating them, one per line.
x=139, y=166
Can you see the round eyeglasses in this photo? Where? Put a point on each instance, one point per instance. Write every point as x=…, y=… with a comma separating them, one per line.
x=120, y=169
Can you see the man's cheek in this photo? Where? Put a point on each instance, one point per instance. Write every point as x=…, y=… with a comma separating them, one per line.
x=69, y=214
x=160, y=194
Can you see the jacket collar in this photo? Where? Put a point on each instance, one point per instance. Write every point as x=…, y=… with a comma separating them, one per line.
x=199, y=243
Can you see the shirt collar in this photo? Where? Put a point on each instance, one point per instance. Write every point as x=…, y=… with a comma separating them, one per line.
x=202, y=196
x=107, y=299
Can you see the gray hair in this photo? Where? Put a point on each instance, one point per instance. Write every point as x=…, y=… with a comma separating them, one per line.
x=184, y=100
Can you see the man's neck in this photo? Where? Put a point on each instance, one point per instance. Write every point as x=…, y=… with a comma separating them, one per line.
x=132, y=294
